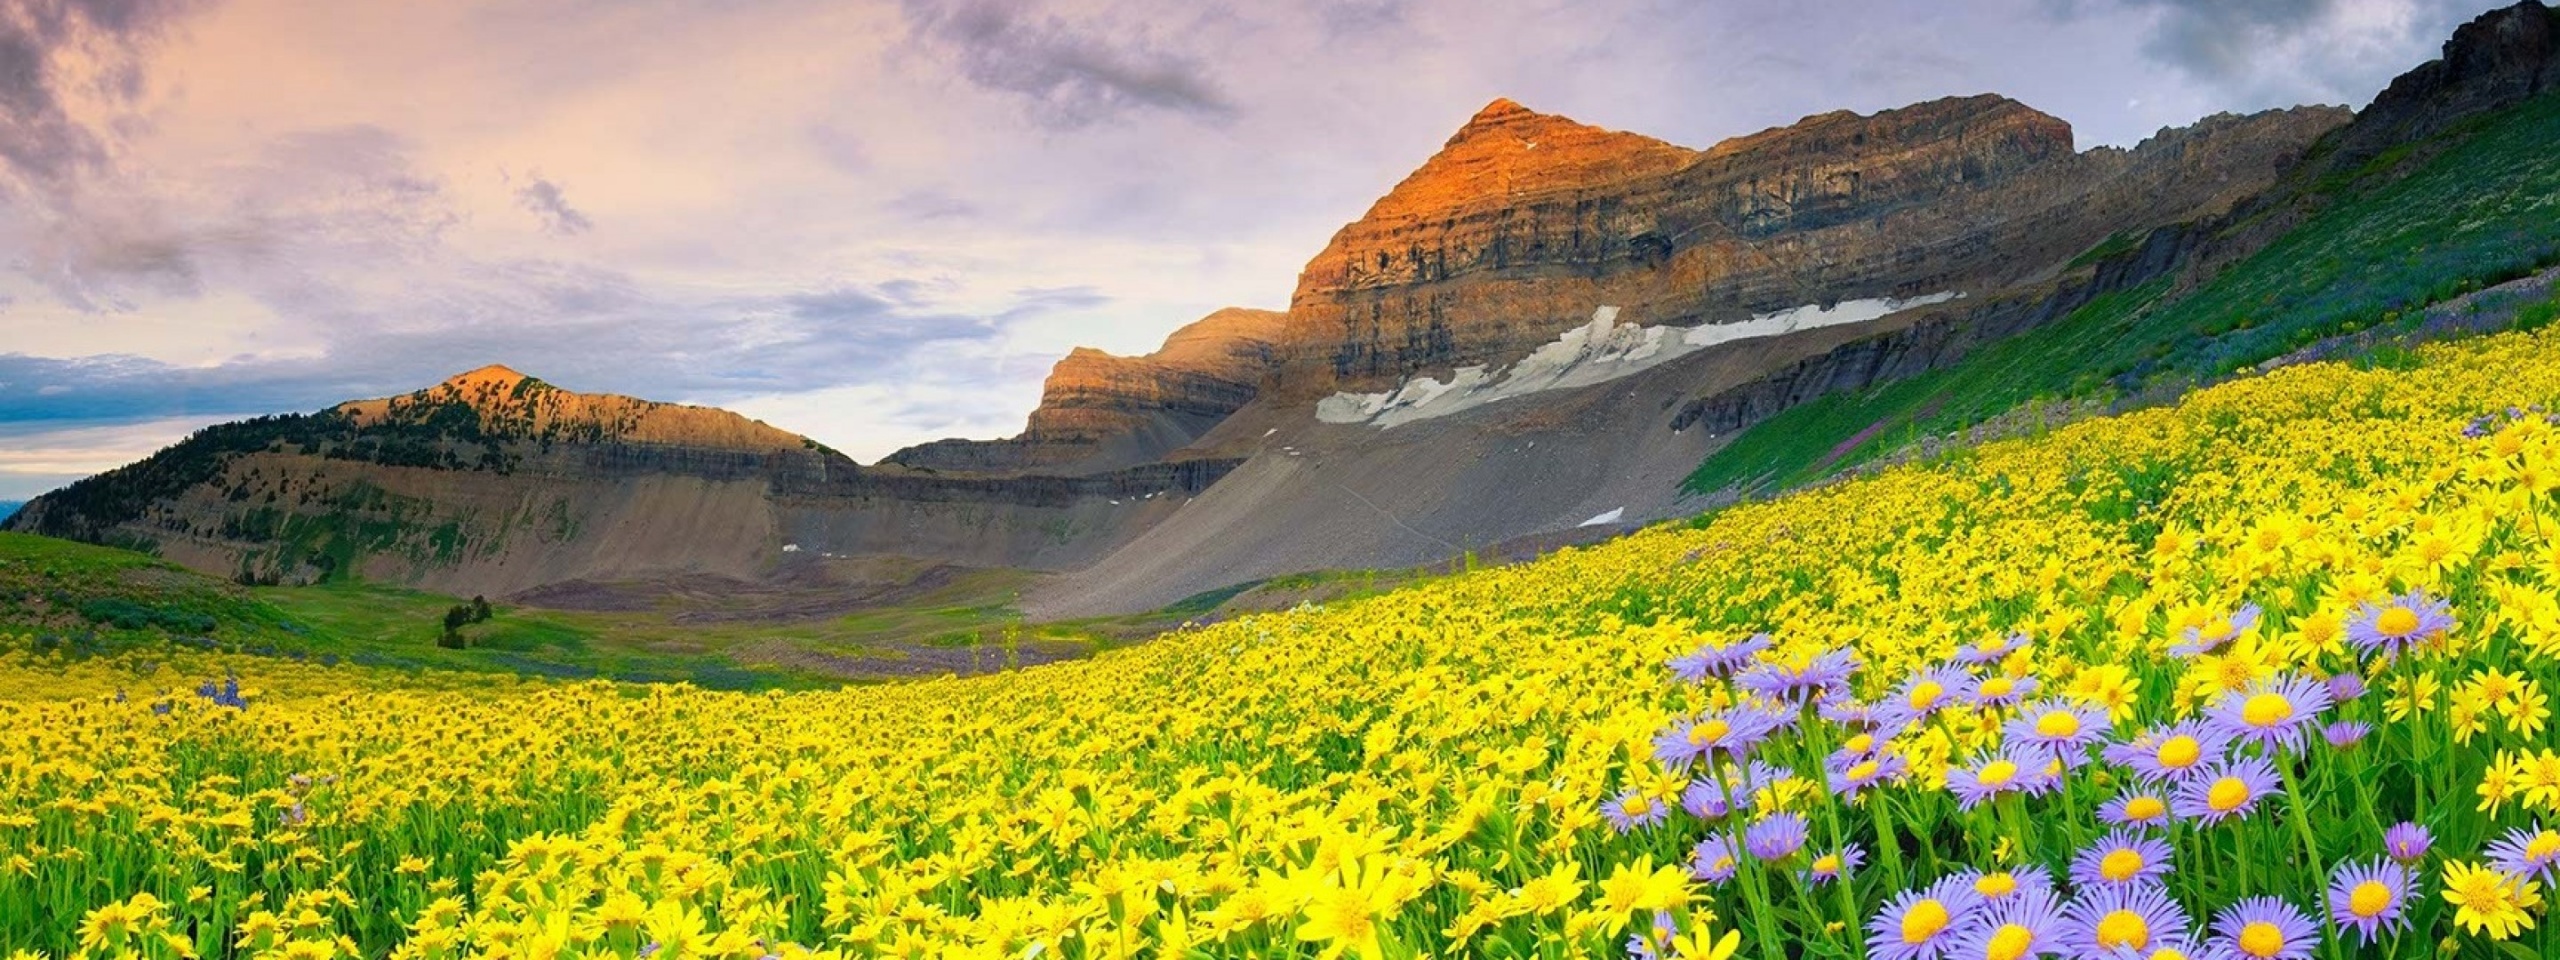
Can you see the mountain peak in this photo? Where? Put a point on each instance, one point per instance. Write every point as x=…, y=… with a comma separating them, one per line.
x=496, y=375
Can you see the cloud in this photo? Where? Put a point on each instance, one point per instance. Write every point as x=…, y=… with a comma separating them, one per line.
x=56, y=53
x=544, y=200
x=1071, y=74
x=2281, y=51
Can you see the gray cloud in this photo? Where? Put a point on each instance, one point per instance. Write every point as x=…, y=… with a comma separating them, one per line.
x=546, y=202
x=42, y=144
x=1071, y=74
x=2272, y=51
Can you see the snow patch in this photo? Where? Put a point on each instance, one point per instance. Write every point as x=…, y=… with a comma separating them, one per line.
x=1612, y=516
x=1596, y=352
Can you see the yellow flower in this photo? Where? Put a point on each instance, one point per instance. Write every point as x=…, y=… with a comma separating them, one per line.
x=2486, y=900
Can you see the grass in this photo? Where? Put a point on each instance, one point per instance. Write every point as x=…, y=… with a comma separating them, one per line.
x=2478, y=206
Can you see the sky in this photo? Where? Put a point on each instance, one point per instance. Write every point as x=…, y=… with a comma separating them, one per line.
x=877, y=222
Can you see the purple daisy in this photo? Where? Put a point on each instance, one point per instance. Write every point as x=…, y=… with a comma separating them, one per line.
x=2004, y=689
x=1635, y=810
x=1824, y=675
x=2408, y=619
x=2170, y=754
x=2138, y=807
x=2211, y=636
x=2345, y=734
x=1718, y=659
x=1775, y=837
x=2018, y=927
x=2407, y=842
x=1850, y=779
x=1853, y=714
x=2122, y=921
x=2063, y=729
x=2369, y=897
x=1992, y=651
x=2528, y=852
x=1834, y=866
x=1706, y=800
x=2121, y=858
x=1716, y=858
x=2346, y=686
x=1997, y=885
x=1730, y=733
x=2266, y=928
x=2271, y=713
x=2009, y=770
x=1922, y=924
x=2231, y=788
x=1927, y=692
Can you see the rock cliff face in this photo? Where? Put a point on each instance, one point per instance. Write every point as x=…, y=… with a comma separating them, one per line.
x=1525, y=222
x=1100, y=412
x=2497, y=60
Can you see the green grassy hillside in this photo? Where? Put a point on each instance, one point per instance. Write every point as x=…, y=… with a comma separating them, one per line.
x=2476, y=206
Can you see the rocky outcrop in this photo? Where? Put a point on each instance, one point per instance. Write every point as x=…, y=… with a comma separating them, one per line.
x=2497, y=60
x=1102, y=412
x=500, y=403
x=1524, y=222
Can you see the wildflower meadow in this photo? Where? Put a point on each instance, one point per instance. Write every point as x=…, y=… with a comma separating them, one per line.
x=2265, y=675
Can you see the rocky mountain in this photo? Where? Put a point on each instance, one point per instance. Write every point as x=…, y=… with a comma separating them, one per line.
x=1534, y=337
x=494, y=482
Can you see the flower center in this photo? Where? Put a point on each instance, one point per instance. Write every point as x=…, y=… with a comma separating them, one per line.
x=2369, y=899
x=2544, y=846
x=2058, y=724
x=2010, y=942
x=2267, y=710
x=2120, y=865
x=1711, y=731
x=1996, y=885
x=1635, y=806
x=2180, y=752
x=2144, y=808
x=1998, y=687
x=1997, y=773
x=2123, y=929
x=1924, y=920
x=2261, y=939
x=1925, y=694
x=1863, y=771
x=2227, y=794
x=2399, y=621
x=1861, y=743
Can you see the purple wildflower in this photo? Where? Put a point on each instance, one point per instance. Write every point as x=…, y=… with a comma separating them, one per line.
x=2408, y=619
x=2369, y=897
x=2346, y=733
x=1706, y=800
x=2004, y=689
x=1922, y=924
x=1926, y=692
x=2172, y=753
x=2346, y=686
x=1635, y=810
x=1731, y=733
x=1715, y=858
x=1834, y=866
x=2271, y=713
x=2026, y=925
x=2407, y=842
x=2121, y=857
x=1822, y=675
x=1992, y=651
x=2138, y=807
x=2122, y=921
x=2211, y=636
x=1775, y=837
x=2063, y=729
x=2231, y=788
x=2009, y=770
x=1850, y=778
x=2528, y=852
x=1718, y=659
x=2266, y=928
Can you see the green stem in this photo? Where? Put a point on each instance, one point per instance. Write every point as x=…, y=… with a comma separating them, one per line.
x=2297, y=805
